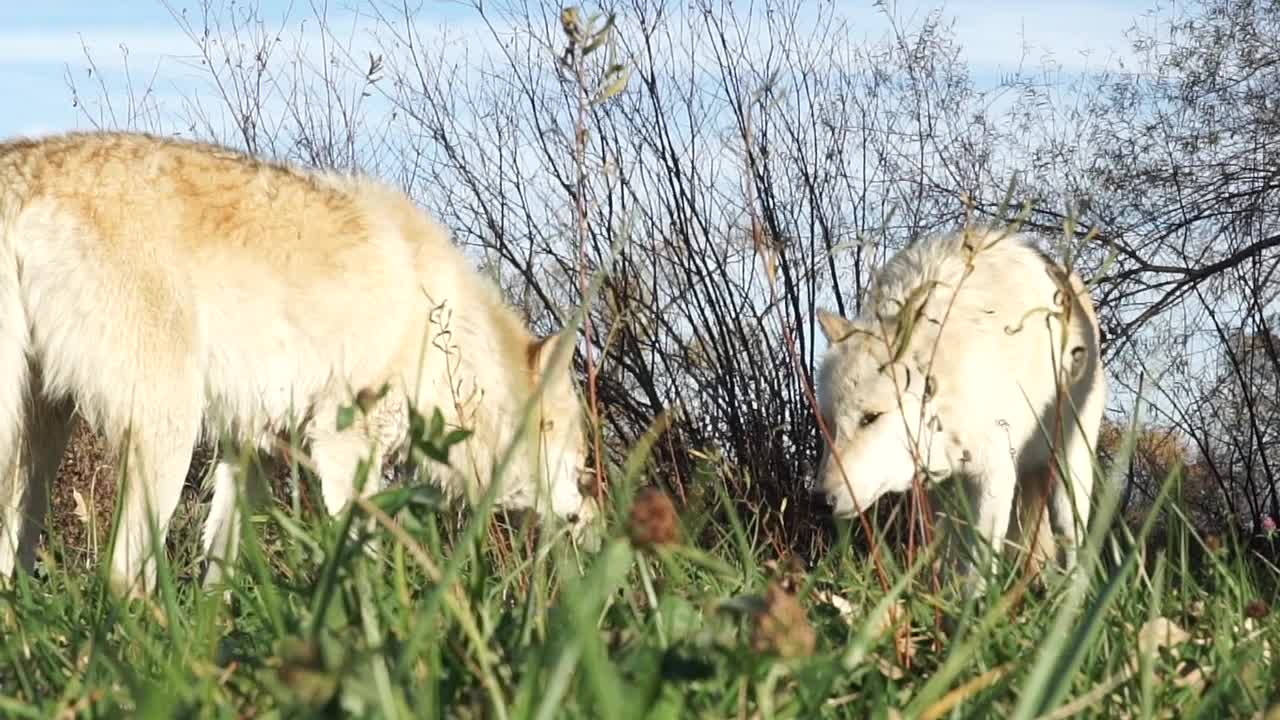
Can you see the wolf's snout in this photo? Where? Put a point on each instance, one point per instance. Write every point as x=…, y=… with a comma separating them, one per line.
x=824, y=498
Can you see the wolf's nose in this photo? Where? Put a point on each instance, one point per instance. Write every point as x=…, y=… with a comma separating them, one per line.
x=822, y=497
x=572, y=519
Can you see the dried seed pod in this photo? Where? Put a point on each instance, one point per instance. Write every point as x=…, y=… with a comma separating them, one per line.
x=653, y=519
x=782, y=626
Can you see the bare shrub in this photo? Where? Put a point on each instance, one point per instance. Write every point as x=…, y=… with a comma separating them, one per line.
x=725, y=170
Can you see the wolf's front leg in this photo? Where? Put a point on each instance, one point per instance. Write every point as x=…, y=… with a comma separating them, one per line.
x=337, y=453
x=993, y=495
x=161, y=443
x=1070, y=505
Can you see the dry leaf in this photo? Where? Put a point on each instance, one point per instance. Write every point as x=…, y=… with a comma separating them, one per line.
x=1160, y=632
x=905, y=643
x=890, y=670
x=892, y=618
x=842, y=606
x=82, y=508
x=1195, y=678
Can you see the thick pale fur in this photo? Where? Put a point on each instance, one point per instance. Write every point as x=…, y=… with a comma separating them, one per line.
x=976, y=384
x=161, y=287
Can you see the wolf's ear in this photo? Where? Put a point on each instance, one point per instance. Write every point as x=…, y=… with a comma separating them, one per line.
x=541, y=352
x=834, y=327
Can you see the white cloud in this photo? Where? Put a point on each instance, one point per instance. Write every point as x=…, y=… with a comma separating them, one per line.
x=165, y=40
x=34, y=46
x=993, y=34
x=32, y=58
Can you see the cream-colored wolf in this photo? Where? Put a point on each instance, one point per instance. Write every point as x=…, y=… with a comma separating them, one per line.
x=963, y=345
x=164, y=287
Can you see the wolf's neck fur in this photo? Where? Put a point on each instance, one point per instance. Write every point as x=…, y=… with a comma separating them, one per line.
x=486, y=387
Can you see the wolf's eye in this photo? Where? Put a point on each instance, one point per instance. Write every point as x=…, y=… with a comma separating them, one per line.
x=868, y=418
x=548, y=425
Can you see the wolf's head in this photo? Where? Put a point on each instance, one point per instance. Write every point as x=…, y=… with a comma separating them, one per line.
x=558, y=453
x=880, y=413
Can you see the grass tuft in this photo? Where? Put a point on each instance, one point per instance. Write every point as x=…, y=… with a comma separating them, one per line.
x=473, y=619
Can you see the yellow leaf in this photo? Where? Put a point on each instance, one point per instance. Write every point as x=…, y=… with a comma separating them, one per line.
x=615, y=82
x=598, y=38
x=82, y=508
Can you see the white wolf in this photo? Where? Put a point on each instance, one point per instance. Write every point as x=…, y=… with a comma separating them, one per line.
x=161, y=287
x=960, y=352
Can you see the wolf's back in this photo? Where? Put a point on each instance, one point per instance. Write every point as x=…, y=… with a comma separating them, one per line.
x=146, y=261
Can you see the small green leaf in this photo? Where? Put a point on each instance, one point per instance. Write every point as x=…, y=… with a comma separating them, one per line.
x=346, y=416
x=394, y=500
x=456, y=436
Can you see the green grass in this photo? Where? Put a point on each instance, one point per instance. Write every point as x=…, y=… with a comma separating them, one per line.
x=456, y=620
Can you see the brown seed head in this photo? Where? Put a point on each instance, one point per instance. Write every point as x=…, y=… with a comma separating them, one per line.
x=570, y=23
x=782, y=626
x=366, y=399
x=654, y=520
x=1256, y=609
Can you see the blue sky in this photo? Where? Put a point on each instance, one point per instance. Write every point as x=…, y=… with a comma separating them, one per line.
x=40, y=42
x=44, y=41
